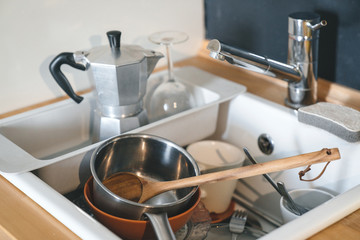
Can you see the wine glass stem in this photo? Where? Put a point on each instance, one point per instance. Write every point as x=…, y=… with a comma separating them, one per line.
x=170, y=62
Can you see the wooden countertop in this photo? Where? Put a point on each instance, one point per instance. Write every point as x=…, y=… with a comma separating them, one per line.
x=21, y=218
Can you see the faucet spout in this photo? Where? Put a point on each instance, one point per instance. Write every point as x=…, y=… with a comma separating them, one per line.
x=300, y=71
x=254, y=62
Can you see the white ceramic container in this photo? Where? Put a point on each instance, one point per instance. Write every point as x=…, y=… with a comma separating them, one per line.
x=213, y=155
x=308, y=198
x=58, y=137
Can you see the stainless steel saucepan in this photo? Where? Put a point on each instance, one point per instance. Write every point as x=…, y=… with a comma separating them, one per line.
x=150, y=156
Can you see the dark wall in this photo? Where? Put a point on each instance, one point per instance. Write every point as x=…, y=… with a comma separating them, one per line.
x=260, y=26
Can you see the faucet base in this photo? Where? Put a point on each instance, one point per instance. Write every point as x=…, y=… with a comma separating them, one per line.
x=293, y=105
x=297, y=105
x=300, y=95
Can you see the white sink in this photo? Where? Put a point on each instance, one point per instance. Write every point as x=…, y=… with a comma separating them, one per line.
x=239, y=120
x=248, y=117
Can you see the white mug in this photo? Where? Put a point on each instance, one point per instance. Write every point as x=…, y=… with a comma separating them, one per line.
x=216, y=154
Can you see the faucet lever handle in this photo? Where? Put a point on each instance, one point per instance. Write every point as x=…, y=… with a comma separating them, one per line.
x=317, y=26
x=214, y=46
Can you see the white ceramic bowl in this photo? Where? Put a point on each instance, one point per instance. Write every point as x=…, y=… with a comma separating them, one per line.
x=216, y=154
x=308, y=198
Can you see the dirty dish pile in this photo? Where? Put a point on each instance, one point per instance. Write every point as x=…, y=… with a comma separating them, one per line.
x=162, y=177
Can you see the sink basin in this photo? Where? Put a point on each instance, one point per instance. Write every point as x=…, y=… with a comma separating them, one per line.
x=240, y=119
x=248, y=118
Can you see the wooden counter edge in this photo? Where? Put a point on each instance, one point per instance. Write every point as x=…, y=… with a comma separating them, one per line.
x=22, y=218
x=266, y=87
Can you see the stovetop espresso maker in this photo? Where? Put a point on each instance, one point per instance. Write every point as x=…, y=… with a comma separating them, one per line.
x=120, y=74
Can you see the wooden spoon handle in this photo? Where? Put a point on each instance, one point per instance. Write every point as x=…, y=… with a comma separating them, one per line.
x=324, y=155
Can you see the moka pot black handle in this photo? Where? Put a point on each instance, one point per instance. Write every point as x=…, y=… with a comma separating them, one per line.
x=55, y=65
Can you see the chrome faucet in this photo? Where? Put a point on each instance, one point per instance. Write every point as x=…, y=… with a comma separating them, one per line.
x=301, y=69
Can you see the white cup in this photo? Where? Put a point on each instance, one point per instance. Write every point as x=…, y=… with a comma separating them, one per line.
x=308, y=198
x=211, y=154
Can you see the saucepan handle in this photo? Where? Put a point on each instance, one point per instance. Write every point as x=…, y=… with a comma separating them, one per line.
x=161, y=225
x=65, y=58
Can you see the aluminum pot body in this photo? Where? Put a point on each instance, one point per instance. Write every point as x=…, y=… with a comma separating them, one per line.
x=145, y=155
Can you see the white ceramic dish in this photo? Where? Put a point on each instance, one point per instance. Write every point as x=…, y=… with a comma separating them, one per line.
x=308, y=198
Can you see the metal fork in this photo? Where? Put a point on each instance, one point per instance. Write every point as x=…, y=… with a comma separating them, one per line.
x=237, y=223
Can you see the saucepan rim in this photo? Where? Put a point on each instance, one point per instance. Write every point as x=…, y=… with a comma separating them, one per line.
x=143, y=205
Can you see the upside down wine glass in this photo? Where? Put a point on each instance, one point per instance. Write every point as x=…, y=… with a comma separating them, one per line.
x=171, y=96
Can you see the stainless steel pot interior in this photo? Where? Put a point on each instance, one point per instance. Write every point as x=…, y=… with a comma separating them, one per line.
x=147, y=155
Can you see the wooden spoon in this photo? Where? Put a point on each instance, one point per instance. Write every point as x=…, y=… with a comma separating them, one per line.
x=140, y=189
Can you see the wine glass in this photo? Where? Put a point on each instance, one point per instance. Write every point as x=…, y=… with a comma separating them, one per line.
x=171, y=96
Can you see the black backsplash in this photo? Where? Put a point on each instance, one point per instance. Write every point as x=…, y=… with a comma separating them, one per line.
x=260, y=26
